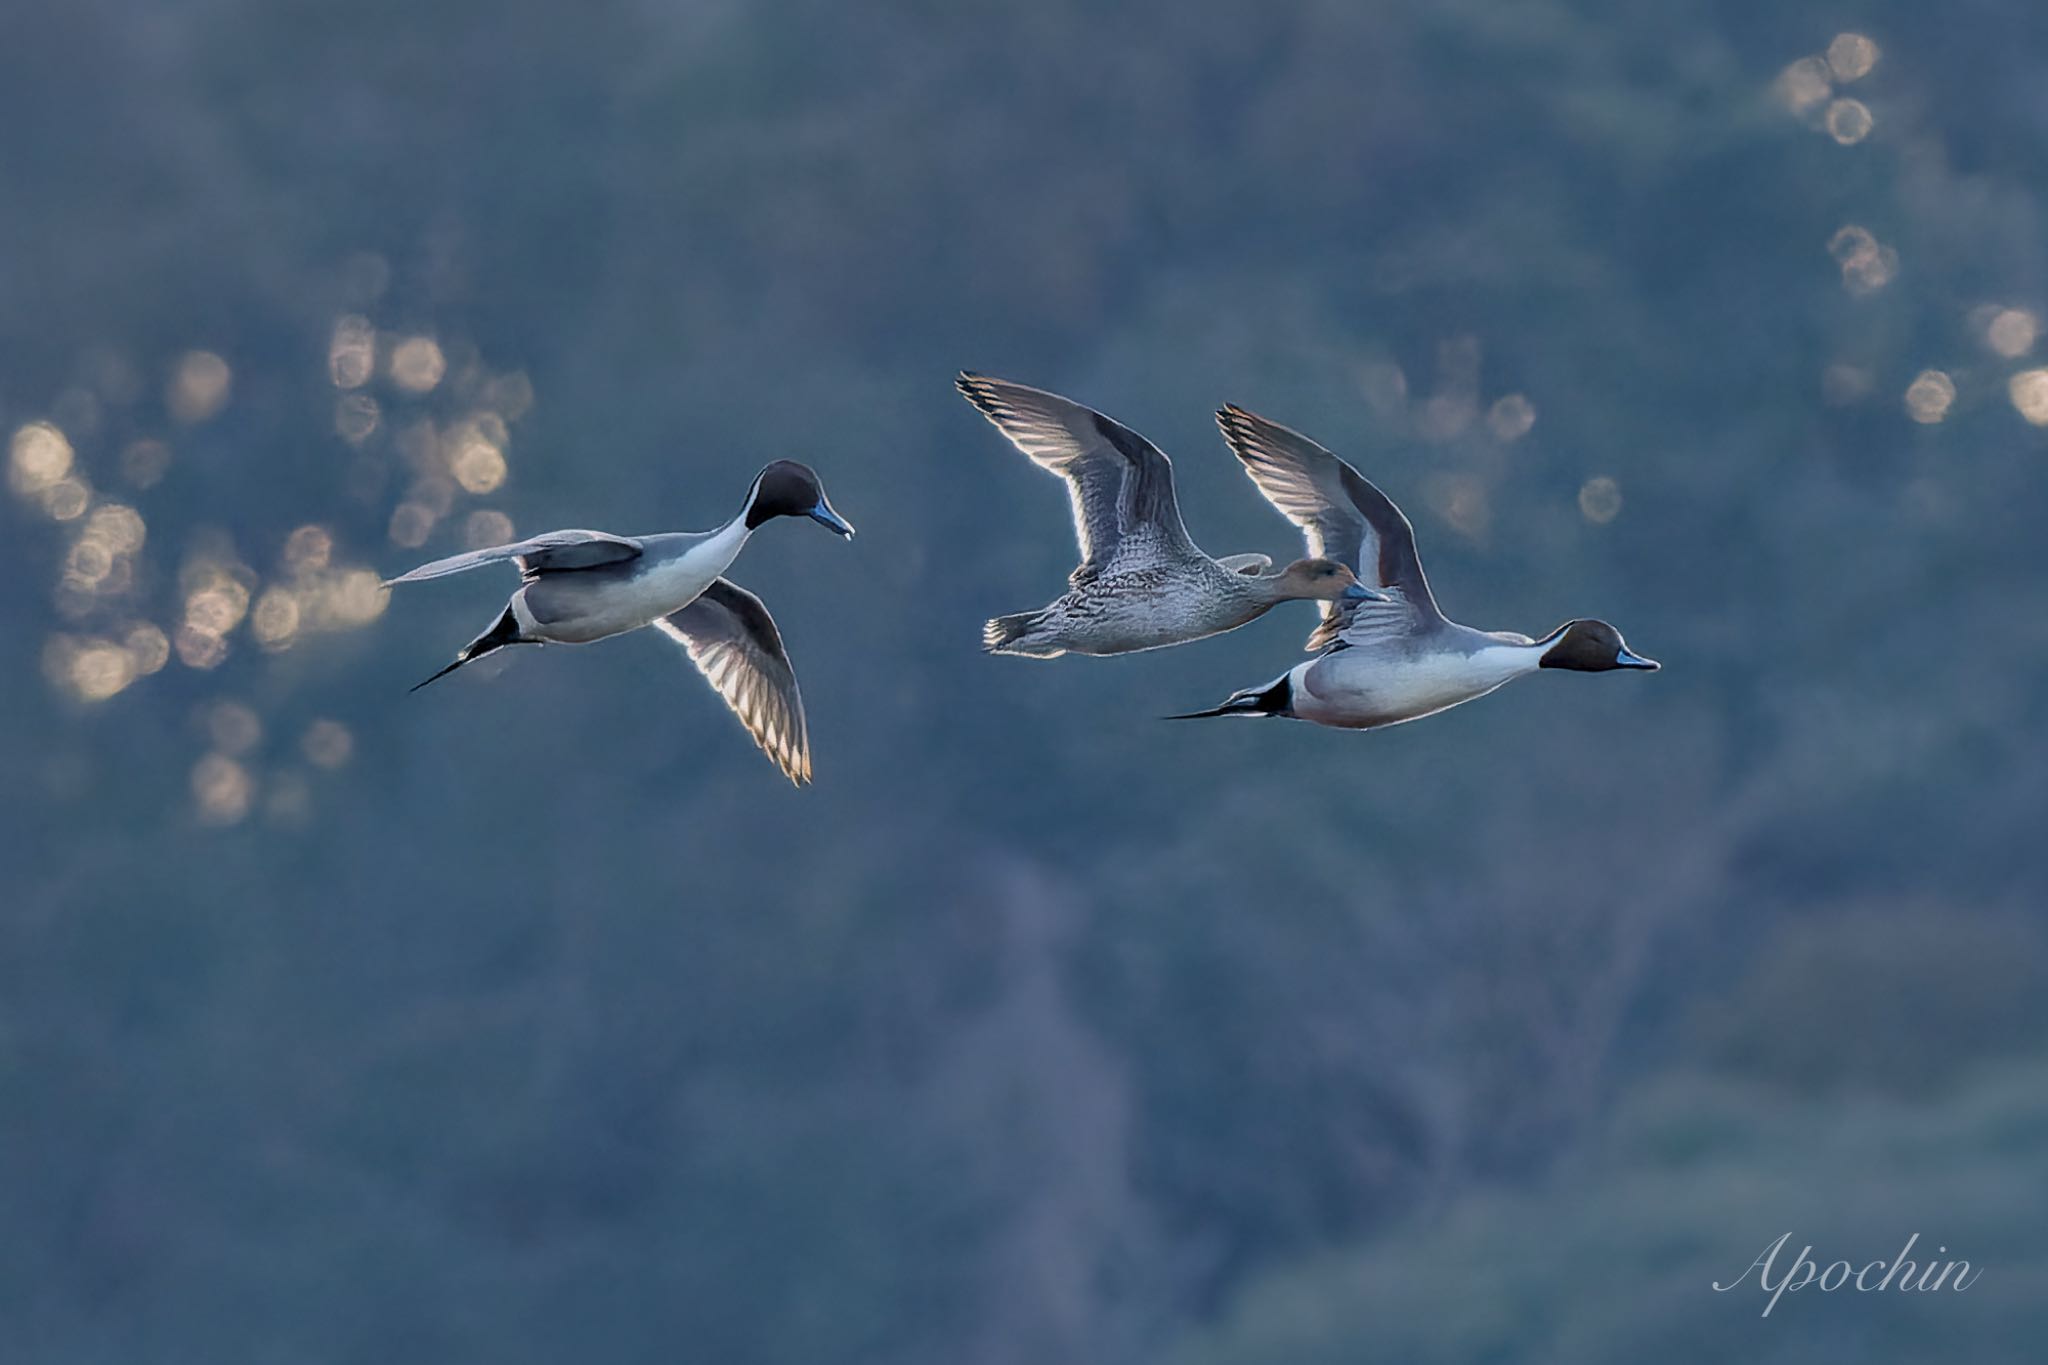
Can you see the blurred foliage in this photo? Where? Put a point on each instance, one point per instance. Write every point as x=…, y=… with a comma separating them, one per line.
x=1592, y=1269
x=534, y=1017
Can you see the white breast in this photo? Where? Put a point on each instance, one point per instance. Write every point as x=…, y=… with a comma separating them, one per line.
x=675, y=584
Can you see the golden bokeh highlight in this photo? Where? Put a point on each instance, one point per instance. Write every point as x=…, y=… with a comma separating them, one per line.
x=1805, y=85
x=352, y=352
x=222, y=790
x=119, y=528
x=2029, y=393
x=356, y=416
x=148, y=646
x=477, y=464
x=308, y=550
x=144, y=462
x=88, y=668
x=234, y=727
x=417, y=364
x=274, y=620
x=343, y=601
x=38, y=459
x=486, y=527
x=199, y=386
x=1849, y=121
x=1851, y=56
x=218, y=603
x=327, y=744
x=67, y=499
x=1463, y=501
x=199, y=649
x=88, y=565
x=2011, y=332
x=1600, y=500
x=1511, y=417
x=1929, y=396
x=1867, y=264
x=509, y=395
x=411, y=524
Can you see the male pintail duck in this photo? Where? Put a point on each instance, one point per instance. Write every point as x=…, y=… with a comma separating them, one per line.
x=1142, y=583
x=581, y=586
x=1396, y=659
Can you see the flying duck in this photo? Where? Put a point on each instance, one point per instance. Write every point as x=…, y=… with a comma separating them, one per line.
x=1398, y=658
x=580, y=586
x=1142, y=583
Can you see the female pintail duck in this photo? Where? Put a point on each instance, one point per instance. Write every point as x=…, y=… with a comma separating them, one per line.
x=1142, y=583
x=581, y=586
x=1398, y=658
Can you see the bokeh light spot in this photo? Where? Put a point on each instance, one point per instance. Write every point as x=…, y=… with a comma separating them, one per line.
x=327, y=744
x=309, y=549
x=234, y=727
x=39, y=457
x=486, y=527
x=221, y=790
x=98, y=669
x=1851, y=56
x=1849, y=121
x=2029, y=393
x=1804, y=85
x=352, y=352
x=355, y=417
x=1462, y=501
x=149, y=647
x=199, y=648
x=67, y=499
x=1600, y=500
x=274, y=620
x=119, y=528
x=417, y=364
x=411, y=523
x=1511, y=417
x=144, y=462
x=477, y=465
x=1929, y=396
x=2012, y=332
x=199, y=386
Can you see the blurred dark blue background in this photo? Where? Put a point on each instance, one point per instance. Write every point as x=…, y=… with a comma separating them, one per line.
x=535, y=1018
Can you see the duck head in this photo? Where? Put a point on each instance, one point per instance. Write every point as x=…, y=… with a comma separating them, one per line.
x=1590, y=647
x=1325, y=580
x=789, y=489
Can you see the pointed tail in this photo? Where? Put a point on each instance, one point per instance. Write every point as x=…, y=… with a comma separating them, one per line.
x=504, y=632
x=1008, y=635
x=1274, y=699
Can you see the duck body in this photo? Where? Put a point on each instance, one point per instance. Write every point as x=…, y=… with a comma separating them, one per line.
x=672, y=570
x=1363, y=687
x=1150, y=606
x=1397, y=658
x=577, y=587
x=1142, y=582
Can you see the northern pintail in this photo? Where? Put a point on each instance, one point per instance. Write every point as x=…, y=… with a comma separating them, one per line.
x=1142, y=583
x=1399, y=658
x=580, y=586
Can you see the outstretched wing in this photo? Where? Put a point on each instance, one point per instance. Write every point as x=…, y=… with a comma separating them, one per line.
x=1342, y=516
x=555, y=552
x=732, y=640
x=1120, y=483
